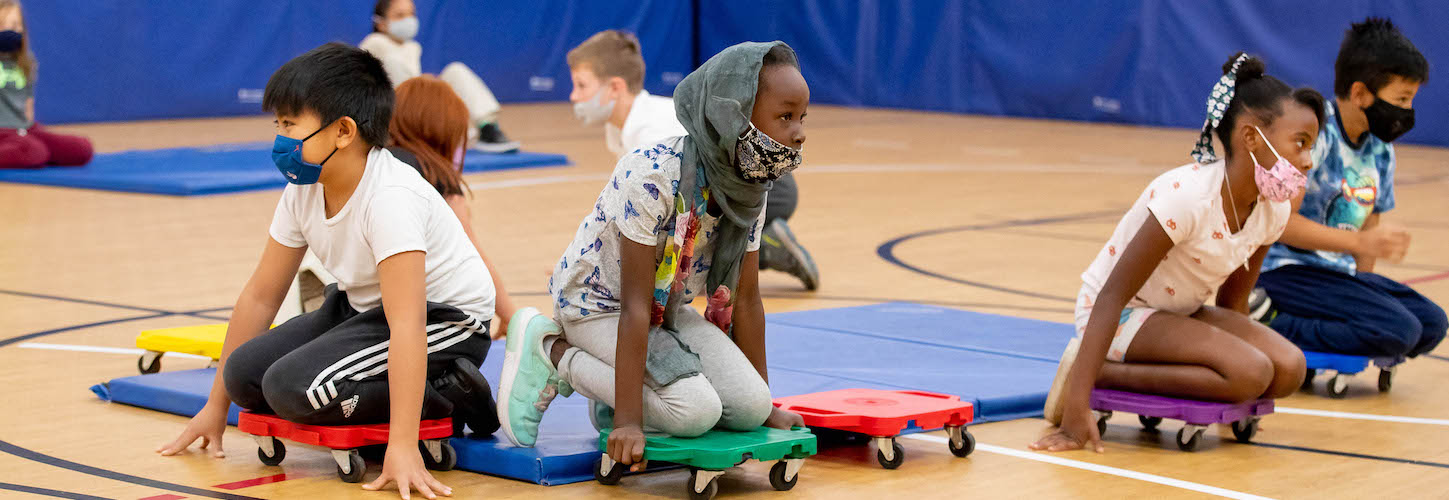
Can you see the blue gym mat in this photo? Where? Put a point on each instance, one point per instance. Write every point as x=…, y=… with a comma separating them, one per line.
x=1003, y=365
x=212, y=170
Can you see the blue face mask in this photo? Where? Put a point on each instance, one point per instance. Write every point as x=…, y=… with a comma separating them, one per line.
x=287, y=154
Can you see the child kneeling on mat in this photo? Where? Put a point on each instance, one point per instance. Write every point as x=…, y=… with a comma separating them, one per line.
x=677, y=219
x=1321, y=291
x=23, y=142
x=400, y=336
x=1199, y=228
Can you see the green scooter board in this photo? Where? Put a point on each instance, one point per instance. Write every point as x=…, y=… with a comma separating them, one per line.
x=709, y=455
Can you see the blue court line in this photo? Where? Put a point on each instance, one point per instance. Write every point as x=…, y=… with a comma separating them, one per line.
x=1438, y=357
x=982, y=350
x=886, y=250
x=1353, y=455
x=49, y=492
x=6, y=447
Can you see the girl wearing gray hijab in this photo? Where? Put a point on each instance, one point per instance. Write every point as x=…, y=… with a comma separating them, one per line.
x=677, y=220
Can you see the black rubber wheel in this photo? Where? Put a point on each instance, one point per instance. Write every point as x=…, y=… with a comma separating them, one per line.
x=279, y=452
x=359, y=467
x=1245, y=429
x=1308, y=380
x=968, y=444
x=777, y=477
x=709, y=491
x=900, y=454
x=1149, y=423
x=1102, y=424
x=147, y=369
x=1188, y=444
x=1338, y=387
x=1386, y=380
x=615, y=473
x=448, y=461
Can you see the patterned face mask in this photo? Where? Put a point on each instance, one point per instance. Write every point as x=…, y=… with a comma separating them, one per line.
x=760, y=158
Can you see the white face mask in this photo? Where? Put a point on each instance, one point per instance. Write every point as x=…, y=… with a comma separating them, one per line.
x=594, y=110
x=403, y=29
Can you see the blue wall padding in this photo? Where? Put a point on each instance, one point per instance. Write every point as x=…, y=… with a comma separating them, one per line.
x=105, y=61
x=1003, y=365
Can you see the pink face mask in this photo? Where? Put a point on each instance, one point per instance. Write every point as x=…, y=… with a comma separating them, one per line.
x=1282, y=181
x=458, y=157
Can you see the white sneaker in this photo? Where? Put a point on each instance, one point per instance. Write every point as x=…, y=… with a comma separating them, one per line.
x=1053, y=409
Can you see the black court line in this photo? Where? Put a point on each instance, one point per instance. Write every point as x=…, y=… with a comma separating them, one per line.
x=886, y=251
x=49, y=492
x=1353, y=455
x=108, y=304
x=53, y=331
x=6, y=447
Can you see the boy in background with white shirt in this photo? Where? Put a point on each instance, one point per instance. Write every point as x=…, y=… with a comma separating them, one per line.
x=608, y=78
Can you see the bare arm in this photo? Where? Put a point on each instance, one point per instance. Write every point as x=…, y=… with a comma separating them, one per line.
x=255, y=309
x=503, y=303
x=404, y=299
x=1233, y=294
x=30, y=110
x=637, y=282
x=257, y=305
x=749, y=315
x=1365, y=262
x=1137, y=263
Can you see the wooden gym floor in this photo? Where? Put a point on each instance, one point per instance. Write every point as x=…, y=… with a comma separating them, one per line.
x=1002, y=216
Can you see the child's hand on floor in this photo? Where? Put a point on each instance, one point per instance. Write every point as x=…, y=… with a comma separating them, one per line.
x=781, y=419
x=209, y=424
x=1078, y=430
x=626, y=446
x=404, y=465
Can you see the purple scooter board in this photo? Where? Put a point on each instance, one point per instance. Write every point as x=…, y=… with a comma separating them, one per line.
x=1197, y=415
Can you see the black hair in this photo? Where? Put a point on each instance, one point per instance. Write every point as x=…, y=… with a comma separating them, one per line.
x=1263, y=96
x=1372, y=51
x=334, y=81
x=780, y=55
x=379, y=10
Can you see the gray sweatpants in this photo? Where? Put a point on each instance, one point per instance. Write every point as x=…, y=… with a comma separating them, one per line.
x=729, y=393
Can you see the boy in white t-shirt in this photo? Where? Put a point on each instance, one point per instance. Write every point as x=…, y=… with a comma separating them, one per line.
x=608, y=78
x=1197, y=230
x=401, y=334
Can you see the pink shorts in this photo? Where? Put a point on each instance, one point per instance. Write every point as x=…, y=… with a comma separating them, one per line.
x=1127, y=325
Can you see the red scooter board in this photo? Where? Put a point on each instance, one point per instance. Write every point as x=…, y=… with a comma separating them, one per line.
x=882, y=415
x=344, y=440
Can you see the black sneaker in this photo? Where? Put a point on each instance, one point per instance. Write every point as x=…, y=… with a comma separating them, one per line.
x=780, y=251
x=1260, y=307
x=492, y=140
x=472, y=399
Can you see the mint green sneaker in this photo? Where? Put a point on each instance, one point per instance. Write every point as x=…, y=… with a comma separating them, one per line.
x=529, y=382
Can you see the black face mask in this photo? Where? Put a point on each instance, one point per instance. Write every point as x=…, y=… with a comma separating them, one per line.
x=11, y=40
x=1387, y=121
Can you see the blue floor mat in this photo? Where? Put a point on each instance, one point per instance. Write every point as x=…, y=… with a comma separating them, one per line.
x=1003, y=365
x=212, y=170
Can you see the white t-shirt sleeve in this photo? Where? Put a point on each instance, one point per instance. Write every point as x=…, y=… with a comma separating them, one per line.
x=285, y=229
x=396, y=222
x=1175, y=206
x=755, y=233
x=647, y=201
